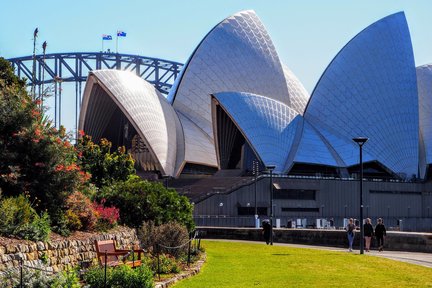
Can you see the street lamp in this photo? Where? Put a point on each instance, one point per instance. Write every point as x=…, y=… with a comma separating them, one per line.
x=166, y=178
x=388, y=214
x=271, y=168
x=255, y=172
x=220, y=208
x=361, y=141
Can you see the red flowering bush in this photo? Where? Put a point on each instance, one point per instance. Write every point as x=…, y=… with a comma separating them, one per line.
x=80, y=213
x=107, y=216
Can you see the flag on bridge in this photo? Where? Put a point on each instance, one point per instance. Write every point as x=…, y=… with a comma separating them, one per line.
x=121, y=34
x=106, y=37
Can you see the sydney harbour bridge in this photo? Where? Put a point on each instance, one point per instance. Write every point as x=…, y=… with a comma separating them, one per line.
x=52, y=72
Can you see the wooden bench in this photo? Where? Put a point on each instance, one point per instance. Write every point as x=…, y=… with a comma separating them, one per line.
x=106, y=249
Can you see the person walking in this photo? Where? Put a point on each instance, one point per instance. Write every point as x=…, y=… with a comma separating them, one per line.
x=368, y=233
x=266, y=230
x=350, y=228
x=380, y=233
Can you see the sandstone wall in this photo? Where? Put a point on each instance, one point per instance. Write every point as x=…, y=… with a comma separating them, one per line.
x=56, y=255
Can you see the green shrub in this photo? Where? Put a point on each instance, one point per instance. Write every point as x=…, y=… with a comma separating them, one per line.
x=104, y=167
x=66, y=279
x=140, y=200
x=38, y=230
x=62, y=225
x=120, y=277
x=39, y=279
x=18, y=218
x=167, y=264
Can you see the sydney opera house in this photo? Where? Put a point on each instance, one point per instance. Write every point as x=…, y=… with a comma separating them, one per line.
x=236, y=111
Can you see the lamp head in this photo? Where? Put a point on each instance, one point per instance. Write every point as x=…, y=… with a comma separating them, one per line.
x=270, y=167
x=360, y=140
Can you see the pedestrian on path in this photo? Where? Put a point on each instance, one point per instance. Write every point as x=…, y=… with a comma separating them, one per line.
x=266, y=230
x=368, y=233
x=380, y=233
x=350, y=228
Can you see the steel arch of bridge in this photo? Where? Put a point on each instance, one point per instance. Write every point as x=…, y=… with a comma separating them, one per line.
x=58, y=68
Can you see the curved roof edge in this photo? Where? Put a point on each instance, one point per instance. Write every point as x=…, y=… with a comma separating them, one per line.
x=173, y=92
x=198, y=147
x=263, y=122
x=343, y=48
x=153, y=109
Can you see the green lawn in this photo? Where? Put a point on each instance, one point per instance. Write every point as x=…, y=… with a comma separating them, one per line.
x=256, y=265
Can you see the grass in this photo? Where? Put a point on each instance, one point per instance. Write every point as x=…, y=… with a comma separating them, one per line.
x=231, y=264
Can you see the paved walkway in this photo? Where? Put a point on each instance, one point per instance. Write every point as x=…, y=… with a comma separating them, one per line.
x=423, y=259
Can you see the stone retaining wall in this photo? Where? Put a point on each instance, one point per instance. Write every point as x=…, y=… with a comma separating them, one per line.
x=57, y=255
x=399, y=241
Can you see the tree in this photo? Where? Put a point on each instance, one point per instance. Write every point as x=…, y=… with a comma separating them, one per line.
x=105, y=167
x=35, y=157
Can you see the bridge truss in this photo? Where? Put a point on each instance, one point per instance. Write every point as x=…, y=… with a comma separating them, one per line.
x=52, y=71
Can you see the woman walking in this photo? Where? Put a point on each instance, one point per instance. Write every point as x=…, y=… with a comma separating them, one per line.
x=380, y=233
x=350, y=228
x=368, y=233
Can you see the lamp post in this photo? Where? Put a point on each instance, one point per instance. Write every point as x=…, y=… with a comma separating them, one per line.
x=388, y=214
x=271, y=168
x=166, y=178
x=361, y=141
x=255, y=172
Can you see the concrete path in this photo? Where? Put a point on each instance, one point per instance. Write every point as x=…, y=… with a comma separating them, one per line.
x=423, y=259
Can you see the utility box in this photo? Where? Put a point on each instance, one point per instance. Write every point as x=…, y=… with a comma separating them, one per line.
x=278, y=223
x=301, y=223
x=345, y=222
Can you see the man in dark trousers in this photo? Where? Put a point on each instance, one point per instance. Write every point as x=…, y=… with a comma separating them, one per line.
x=380, y=233
x=266, y=230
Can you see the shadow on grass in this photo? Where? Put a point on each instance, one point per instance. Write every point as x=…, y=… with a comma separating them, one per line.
x=283, y=254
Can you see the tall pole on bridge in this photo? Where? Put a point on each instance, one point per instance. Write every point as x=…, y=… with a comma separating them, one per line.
x=33, y=90
x=44, y=46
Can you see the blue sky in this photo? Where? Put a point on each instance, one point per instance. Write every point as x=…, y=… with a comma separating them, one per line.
x=307, y=33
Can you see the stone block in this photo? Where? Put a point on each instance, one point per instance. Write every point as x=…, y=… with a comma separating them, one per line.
x=32, y=256
x=52, y=245
x=32, y=247
x=40, y=245
x=19, y=255
x=11, y=249
x=23, y=248
x=5, y=258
